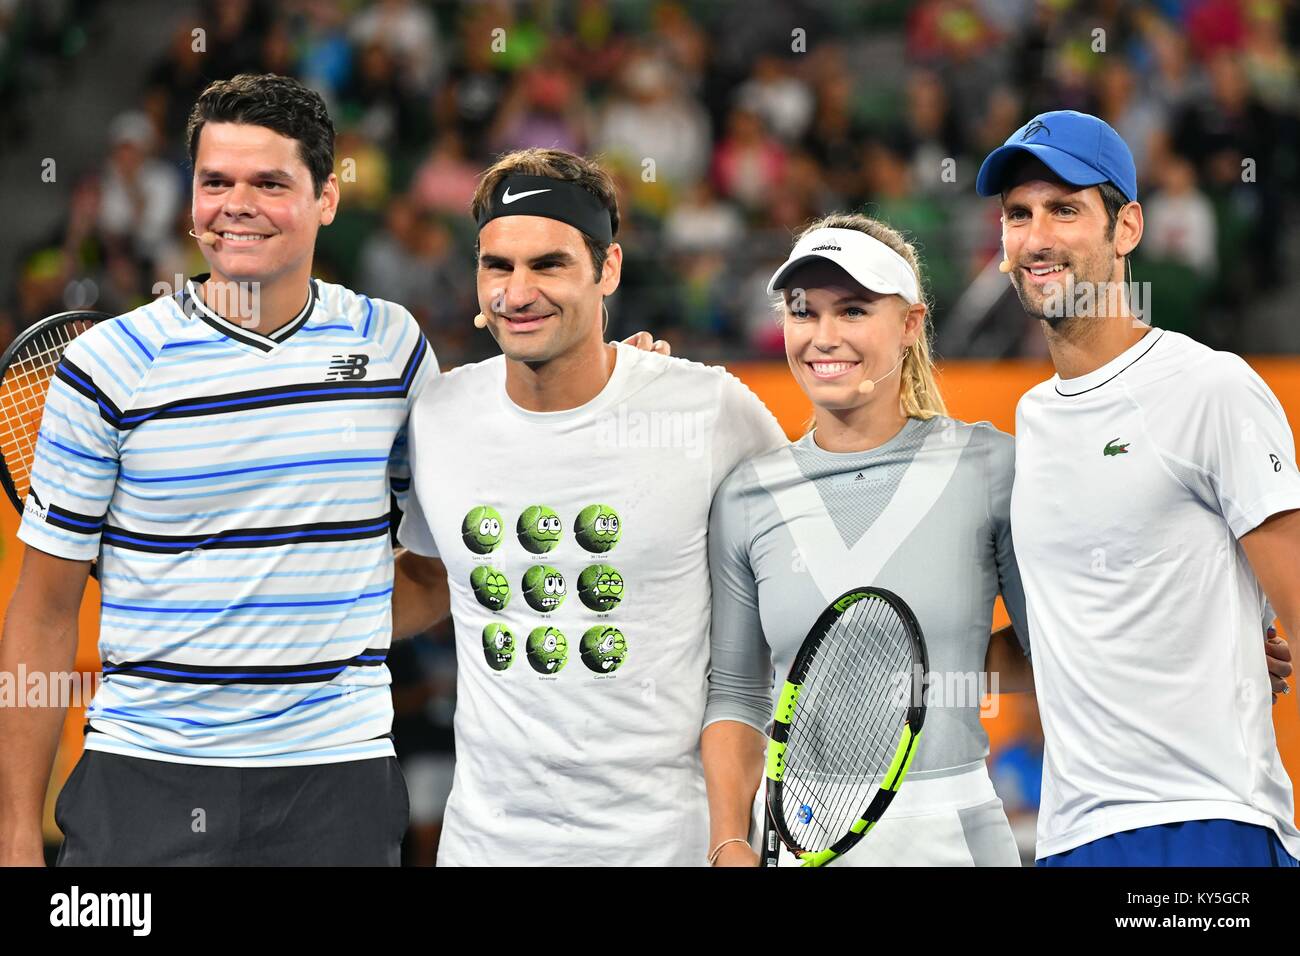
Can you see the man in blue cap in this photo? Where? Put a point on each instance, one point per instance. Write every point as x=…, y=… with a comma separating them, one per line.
x=1156, y=526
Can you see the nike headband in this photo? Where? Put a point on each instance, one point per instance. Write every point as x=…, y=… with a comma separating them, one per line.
x=552, y=198
x=871, y=263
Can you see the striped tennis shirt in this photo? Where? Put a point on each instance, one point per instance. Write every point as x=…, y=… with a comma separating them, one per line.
x=235, y=488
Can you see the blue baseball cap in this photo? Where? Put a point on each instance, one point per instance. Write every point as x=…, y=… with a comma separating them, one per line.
x=1083, y=150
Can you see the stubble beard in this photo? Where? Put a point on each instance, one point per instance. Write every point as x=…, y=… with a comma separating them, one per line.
x=1033, y=299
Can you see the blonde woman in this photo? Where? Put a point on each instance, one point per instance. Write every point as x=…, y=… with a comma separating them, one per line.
x=887, y=490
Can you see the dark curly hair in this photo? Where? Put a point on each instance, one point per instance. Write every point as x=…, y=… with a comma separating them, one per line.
x=281, y=104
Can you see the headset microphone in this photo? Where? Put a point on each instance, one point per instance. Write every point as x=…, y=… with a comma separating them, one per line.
x=868, y=386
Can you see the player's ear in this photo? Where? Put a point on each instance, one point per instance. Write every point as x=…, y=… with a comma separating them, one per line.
x=914, y=323
x=1128, y=228
x=612, y=271
x=329, y=200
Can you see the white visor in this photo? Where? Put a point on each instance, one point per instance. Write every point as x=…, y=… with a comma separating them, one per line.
x=871, y=263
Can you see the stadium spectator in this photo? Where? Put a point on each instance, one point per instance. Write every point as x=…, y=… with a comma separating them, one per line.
x=1180, y=226
x=140, y=194
x=652, y=118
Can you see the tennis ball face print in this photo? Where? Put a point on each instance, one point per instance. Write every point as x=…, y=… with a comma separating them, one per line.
x=491, y=588
x=481, y=529
x=498, y=646
x=544, y=588
x=600, y=587
x=597, y=528
x=539, y=529
x=603, y=649
x=548, y=650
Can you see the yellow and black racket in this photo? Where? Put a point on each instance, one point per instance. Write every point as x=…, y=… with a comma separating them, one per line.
x=846, y=726
x=25, y=372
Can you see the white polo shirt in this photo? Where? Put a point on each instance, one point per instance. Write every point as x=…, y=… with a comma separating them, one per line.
x=1133, y=485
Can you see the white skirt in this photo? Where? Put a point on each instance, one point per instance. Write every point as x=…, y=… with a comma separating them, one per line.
x=956, y=820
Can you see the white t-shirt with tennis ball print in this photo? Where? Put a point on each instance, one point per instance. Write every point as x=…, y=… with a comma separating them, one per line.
x=577, y=559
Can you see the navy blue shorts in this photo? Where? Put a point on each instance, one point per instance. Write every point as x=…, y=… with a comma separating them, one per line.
x=1189, y=843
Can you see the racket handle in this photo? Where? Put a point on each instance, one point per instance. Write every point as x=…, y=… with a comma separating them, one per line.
x=771, y=842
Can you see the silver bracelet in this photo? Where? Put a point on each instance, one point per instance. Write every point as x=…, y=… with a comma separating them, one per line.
x=713, y=857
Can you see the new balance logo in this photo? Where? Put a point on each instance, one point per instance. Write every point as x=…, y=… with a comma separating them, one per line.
x=1037, y=126
x=347, y=367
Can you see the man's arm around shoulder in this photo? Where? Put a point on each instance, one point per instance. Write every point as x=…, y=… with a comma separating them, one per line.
x=420, y=595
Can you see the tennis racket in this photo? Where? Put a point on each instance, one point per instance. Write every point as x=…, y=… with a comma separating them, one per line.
x=846, y=726
x=25, y=372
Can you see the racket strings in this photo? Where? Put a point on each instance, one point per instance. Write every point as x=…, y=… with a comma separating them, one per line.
x=22, y=398
x=820, y=771
x=867, y=673
x=846, y=728
x=829, y=796
x=852, y=672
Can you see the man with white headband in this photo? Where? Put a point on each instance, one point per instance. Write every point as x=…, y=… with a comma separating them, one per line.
x=1156, y=515
x=566, y=486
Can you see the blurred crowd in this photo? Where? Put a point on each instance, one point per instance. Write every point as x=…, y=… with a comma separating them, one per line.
x=729, y=125
x=37, y=40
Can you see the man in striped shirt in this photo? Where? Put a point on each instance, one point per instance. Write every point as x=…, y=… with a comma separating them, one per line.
x=227, y=453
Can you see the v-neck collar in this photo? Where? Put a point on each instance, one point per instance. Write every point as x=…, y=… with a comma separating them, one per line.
x=192, y=304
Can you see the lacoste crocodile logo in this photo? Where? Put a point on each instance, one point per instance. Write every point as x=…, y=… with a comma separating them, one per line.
x=1113, y=449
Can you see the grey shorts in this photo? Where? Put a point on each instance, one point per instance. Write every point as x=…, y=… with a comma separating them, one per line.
x=129, y=811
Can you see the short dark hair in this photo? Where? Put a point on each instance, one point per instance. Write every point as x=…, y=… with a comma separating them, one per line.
x=1114, y=201
x=281, y=104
